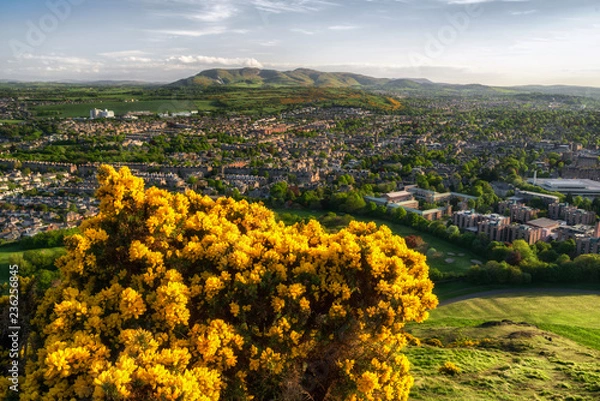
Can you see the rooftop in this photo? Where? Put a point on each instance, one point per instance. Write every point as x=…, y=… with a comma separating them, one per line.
x=543, y=223
x=568, y=185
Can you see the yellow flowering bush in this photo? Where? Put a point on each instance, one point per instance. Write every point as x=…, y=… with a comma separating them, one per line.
x=179, y=297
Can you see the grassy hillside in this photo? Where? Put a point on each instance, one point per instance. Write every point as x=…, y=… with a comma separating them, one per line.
x=509, y=348
x=573, y=315
x=254, y=77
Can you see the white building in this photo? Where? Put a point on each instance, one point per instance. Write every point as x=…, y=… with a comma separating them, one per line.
x=98, y=113
x=583, y=187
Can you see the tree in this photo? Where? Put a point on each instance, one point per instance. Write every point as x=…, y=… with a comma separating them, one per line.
x=179, y=297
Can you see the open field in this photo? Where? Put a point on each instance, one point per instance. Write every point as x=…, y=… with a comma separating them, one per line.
x=461, y=258
x=122, y=107
x=249, y=100
x=11, y=121
x=537, y=345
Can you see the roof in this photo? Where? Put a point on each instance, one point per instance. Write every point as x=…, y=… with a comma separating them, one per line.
x=543, y=223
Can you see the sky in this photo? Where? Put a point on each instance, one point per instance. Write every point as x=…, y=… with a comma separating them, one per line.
x=492, y=42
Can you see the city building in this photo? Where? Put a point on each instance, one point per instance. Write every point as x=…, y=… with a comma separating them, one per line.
x=571, y=214
x=581, y=187
x=548, y=226
x=98, y=113
x=494, y=227
x=517, y=212
x=529, y=234
x=466, y=219
x=400, y=196
x=528, y=195
x=432, y=214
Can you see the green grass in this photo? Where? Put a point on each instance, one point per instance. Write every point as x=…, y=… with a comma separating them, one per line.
x=548, y=352
x=568, y=314
x=11, y=121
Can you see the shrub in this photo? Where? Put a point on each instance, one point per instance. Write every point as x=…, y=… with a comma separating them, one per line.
x=179, y=297
x=449, y=369
x=435, y=342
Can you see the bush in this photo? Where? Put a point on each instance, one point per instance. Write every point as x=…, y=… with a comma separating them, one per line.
x=179, y=297
x=449, y=369
x=434, y=342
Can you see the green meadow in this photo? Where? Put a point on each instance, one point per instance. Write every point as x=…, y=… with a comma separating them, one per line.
x=534, y=345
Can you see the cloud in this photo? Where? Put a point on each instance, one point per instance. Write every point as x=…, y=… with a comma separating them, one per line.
x=50, y=63
x=208, y=60
x=123, y=53
x=192, y=33
x=208, y=13
x=282, y=6
x=342, y=27
x=216, y=13
x=526, y=12
x=270, y=43
x=303, y=31
x=52, y=59
x=465, y=2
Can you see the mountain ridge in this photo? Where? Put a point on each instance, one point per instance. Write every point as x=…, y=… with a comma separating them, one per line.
x=250, y=77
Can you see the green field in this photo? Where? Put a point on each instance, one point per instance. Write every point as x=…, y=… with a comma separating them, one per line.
x=122, y=107
x=546, y=348
x=461, y=257
x=78, y=102
x=11, y=121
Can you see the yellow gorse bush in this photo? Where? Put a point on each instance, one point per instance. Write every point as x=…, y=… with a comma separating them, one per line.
x=178, y=297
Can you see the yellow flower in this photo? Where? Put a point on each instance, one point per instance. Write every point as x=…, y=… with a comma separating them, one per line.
x=367, y=382
x=234, y=308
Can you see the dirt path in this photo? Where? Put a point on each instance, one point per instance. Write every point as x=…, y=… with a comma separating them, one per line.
x=517, y=291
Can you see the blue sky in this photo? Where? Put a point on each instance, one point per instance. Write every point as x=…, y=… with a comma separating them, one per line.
x=499, y=42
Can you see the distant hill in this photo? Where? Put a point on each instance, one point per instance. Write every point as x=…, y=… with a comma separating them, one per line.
x=304, y=77
x=255, y=77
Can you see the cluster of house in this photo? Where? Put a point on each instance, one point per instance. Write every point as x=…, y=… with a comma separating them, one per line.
x=17, y=182
x=27, y=219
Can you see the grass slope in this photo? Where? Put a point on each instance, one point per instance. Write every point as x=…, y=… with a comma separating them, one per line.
x=569, y=314
x=546, y=348
x=511, y=362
